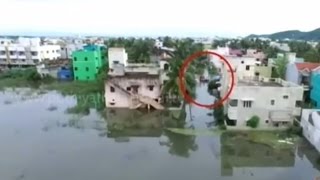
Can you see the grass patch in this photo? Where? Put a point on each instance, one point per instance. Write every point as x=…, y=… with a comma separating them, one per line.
x=82, y=110
x=274, y=139
x=71, y=88
x=193, y=132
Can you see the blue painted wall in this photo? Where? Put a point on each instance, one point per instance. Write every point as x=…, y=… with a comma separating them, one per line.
x=315, y=91
x=65, y=74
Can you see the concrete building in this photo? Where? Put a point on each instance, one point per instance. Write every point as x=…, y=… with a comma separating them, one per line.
x=310, y=123
x=117, y=56
x=66, y=50
x=282, y=46
x=87, y=62
x=27, y=52
x=133, y=86
x=275, y=101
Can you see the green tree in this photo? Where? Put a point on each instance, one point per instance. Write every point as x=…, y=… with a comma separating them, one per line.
x=184, y=48
x=168, y=42
x=312, y=56
x=280, y=65
x=299, y=47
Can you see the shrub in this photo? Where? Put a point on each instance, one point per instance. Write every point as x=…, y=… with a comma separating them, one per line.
x=223, y=127
x=253, y=122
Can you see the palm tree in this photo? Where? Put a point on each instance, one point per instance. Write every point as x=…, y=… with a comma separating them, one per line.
x=184, y=48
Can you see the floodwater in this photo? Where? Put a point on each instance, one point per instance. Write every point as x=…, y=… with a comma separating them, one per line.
x=40, y=141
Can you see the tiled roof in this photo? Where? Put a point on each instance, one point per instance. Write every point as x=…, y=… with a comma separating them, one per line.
x=307, y=65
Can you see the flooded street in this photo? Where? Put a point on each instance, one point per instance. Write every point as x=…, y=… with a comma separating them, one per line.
x=41, y=141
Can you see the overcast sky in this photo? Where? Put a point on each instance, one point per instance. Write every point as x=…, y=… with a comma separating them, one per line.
x=161, y=17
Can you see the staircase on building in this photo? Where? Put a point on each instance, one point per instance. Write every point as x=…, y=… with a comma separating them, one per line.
x=138, y=100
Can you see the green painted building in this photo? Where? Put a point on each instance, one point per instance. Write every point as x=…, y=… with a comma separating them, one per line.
x=87, y=62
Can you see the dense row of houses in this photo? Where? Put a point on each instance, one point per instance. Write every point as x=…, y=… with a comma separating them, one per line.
x=277, y=102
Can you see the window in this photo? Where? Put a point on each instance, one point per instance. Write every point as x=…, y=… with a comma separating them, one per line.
x=247, y=68
x=47, y=52
x=86, y=59
x=285, y=97
x=257, y=59
x=298, y=104
x=257, y=73
x=272, y=102
x=128, y=88
x=87, y=69
x=62, y=48
x=242, y=62
x=233, y=102
x=112, y=89
x=102, y=57
x=267, y=121
x=77, y=78
x=87, y=77
x=75, y=59
x=247, y=104
x=76, y=69
x=53, y=51
x=151, y=88
x=23, y=60
x=115, y=62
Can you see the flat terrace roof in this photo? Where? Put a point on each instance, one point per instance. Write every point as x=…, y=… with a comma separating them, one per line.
x=259, y=83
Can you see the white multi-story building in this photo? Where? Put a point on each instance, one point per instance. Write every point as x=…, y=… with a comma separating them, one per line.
x=117, y=56
x=275, y=101
x=27, y=52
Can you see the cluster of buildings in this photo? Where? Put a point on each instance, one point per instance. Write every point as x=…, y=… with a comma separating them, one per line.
x=255, y=93
x=27, y=51
x=277, y=102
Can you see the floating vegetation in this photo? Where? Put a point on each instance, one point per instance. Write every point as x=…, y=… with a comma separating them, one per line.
x=82, y=110
x=195, y=132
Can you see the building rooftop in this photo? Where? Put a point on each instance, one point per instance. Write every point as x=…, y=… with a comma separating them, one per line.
x=307, y=66
x=265, y=82
x=258, y=83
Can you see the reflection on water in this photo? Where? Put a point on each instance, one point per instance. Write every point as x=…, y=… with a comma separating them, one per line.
x=39, y=144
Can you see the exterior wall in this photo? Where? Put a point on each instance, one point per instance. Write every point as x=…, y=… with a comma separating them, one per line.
x=50, y=52
x=261, y=97
x=67, y=50
x=264, y=71
x=117, y=54
x=87, y=62
x=292, y=73
x=43, y=70
x=29, y=41
x=311, y=131
x=315, y=90
x=121, y=99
